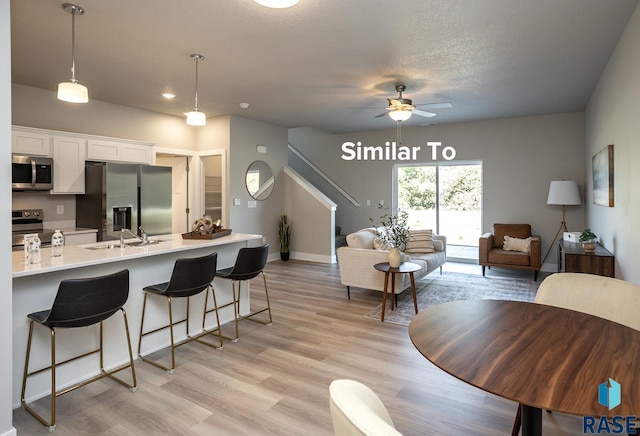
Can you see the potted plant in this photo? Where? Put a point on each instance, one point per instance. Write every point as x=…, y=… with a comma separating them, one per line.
x=396, y=234
x=284, y=236
x=588, y=239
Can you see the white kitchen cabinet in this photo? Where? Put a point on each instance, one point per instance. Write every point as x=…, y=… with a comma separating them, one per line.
x=119, y=151
x=69, y=154
x=29, y=142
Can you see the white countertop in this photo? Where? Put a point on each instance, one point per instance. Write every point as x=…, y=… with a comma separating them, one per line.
x=75, y=256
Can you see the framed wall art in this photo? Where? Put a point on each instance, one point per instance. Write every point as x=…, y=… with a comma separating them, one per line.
x=602, y=168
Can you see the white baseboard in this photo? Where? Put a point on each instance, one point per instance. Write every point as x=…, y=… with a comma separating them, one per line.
x=307, y=257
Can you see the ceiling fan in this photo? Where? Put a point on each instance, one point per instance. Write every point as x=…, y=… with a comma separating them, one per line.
x=401, y=109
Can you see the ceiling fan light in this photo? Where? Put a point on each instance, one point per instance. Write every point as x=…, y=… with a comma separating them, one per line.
x=400, y=115
x=73, y=92
x=277, y=4
x=196, y=118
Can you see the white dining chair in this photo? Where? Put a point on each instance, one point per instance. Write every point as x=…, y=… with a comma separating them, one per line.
x=356, y=410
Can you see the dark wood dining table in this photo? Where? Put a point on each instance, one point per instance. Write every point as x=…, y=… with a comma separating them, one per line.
x=543, y=357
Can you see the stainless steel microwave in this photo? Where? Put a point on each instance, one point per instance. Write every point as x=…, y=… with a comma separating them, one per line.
x=31, y=173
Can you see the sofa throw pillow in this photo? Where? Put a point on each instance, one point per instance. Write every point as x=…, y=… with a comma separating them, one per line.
x=420, y=241
x=516, y=244
x=438, y=245
x=362, y=238
x=380, y=244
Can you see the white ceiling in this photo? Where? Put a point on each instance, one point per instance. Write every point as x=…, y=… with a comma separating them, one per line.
x=318, y=63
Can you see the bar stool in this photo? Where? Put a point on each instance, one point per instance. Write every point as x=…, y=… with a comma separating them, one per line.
x=249, y=263
x=80, y=303
x=190, y=277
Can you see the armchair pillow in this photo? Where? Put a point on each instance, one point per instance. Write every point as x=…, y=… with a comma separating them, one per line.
x=517, y=244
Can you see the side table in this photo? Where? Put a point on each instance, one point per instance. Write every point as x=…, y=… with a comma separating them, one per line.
x=405, y=267
x=573, y=258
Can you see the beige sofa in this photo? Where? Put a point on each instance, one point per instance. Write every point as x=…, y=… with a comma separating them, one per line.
x=356, y=262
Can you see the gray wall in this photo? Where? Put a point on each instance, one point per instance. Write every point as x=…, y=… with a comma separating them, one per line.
x=40, y=108
x=520, y=156
x=240, y=137
x=612, y=118
x=246, y=134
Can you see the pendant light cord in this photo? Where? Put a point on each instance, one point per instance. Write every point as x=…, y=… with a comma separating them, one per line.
x=197, y=58
x=73, y=46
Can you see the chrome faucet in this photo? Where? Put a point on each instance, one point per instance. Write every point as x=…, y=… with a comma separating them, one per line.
x=143, y=239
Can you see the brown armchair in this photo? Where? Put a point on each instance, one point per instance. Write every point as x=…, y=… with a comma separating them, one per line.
x=492, y=254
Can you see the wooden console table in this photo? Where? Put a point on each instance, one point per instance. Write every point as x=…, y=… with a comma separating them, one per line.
x=573, y=258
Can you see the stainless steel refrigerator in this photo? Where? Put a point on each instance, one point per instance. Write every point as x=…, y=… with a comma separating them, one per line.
x=127, y=196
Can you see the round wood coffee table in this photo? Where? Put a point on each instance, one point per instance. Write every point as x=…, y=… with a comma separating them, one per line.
x=405, y=267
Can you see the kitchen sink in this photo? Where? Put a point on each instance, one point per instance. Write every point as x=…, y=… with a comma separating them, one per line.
x=143, y=244
x=103, y=246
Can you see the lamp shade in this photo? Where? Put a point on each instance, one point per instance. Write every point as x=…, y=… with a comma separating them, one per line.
x=72, y=92
x=564, y=192
x=277, y=4
x=400, y=115
x=196, y=118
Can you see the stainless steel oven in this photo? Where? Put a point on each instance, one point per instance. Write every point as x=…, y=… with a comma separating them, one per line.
x=31, y=173
x=28, y=221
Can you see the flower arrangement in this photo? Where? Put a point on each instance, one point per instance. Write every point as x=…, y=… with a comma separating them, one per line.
x=397, y=230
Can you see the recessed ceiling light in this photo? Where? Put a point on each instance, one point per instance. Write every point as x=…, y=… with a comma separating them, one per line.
x=278, y=4
x=243, y=105
x=168, y=95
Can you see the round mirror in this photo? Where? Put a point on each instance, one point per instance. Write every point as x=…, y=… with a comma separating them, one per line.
x=259, y=180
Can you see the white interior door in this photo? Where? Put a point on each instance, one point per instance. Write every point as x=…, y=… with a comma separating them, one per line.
x=180, y=200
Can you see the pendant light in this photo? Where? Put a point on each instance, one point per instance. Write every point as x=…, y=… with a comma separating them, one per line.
x=277, y=4
x=195, y=117
x=72, y=91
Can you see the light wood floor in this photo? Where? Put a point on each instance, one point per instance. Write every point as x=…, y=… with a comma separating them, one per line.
x=275, y=379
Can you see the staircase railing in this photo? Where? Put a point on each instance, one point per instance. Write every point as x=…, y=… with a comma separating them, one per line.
x=324, y=176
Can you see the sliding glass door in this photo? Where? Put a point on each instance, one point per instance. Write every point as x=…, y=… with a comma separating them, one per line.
x=444, y=197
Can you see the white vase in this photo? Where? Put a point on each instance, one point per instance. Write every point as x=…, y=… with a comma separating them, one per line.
x=395, y=258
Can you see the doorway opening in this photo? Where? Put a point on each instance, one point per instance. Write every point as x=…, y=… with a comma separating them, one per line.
x=444, y=197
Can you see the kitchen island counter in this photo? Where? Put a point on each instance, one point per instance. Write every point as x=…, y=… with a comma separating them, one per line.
x=77, y=256
x=35, y=287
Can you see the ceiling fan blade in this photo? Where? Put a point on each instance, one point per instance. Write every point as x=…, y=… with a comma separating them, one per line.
x=443, y=105
x=367, y=107
x=382, y=114
x=423, y=113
